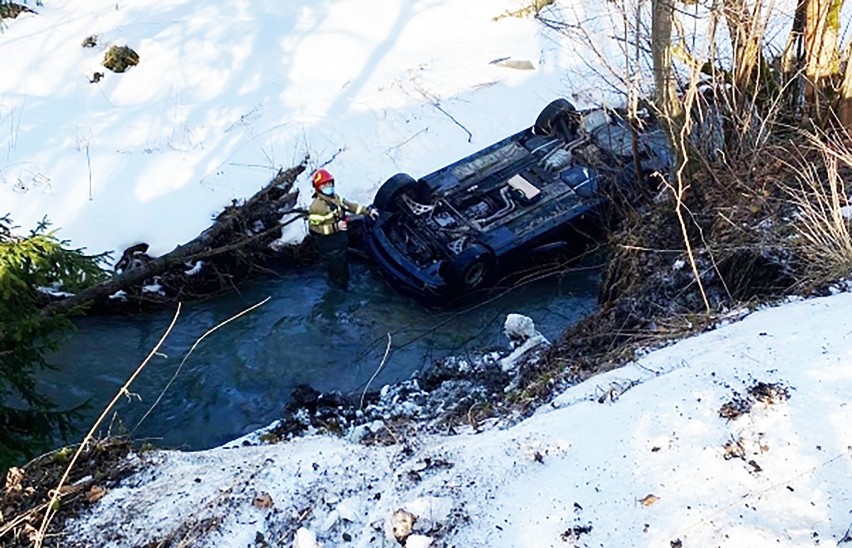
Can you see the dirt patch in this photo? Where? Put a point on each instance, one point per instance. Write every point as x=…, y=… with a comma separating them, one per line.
x=735, y=408
x=573, y=534
x=769, y=393
x=188, y=531
x=28, y=489
x=763, y=392
x=734, y=449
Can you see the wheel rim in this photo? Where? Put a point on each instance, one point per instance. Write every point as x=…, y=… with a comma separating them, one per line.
x=474, y=274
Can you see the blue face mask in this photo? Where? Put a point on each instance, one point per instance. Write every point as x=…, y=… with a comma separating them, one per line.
x=328, y=190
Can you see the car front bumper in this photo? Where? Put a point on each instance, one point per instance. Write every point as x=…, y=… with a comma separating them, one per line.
x=402, y=274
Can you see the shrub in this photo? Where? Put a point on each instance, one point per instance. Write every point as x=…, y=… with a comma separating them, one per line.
x=120, y=58
x=28, y=265
x=10, y=10
x=823, y=224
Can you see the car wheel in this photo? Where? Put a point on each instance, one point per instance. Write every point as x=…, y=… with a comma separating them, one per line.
x=385, y=199
x=470, y=268
x=556, y=117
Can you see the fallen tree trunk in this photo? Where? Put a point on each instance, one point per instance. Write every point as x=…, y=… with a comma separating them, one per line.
x=232, y=231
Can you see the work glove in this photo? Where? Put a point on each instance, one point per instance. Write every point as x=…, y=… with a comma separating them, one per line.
x=374, y=213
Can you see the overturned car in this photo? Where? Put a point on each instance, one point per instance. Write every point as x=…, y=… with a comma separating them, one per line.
x=450, y=232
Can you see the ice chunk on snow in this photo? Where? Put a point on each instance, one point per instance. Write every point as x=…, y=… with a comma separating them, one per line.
x=523, y=337
x=519, y=328
x=418, y=541
x=195, y=269
x=348, y=509
x=430, y=511
x=305, y=539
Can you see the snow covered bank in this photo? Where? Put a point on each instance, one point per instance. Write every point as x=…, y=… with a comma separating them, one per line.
x=661, y=459
x=225, y=93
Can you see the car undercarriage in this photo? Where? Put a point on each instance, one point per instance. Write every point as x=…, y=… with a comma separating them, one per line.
x=509, y=196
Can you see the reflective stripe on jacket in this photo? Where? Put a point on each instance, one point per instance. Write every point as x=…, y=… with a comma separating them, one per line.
x=326, y=211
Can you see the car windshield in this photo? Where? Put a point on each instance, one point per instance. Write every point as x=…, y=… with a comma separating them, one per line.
x=615, y=139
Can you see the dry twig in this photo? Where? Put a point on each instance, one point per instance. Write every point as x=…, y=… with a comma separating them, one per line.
x=381, y=365
x=53, y=504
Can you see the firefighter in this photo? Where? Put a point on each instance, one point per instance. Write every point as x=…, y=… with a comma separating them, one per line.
x=328, y=220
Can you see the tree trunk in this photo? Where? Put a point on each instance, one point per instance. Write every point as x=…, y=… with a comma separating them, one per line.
x=822, y=29
x=746, y=29
x=674, y=119
x=792, y=59
x=844, y=103
x=668, y=103
x=213, y=241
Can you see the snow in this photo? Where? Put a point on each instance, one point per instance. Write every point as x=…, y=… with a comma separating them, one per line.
x=228, y=92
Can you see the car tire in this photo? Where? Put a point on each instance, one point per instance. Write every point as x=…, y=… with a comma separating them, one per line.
x=582, y=180
x=470, y=268
x=385, y=199
x=556, y=117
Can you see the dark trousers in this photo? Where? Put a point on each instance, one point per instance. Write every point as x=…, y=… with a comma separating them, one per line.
x=332, y=251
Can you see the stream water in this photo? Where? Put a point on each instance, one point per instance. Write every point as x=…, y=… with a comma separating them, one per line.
x=239, y=377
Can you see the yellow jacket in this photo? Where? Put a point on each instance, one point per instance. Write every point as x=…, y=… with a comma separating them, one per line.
x=326, y=211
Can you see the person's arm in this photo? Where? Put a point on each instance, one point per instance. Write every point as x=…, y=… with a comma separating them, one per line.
x=357, y=209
